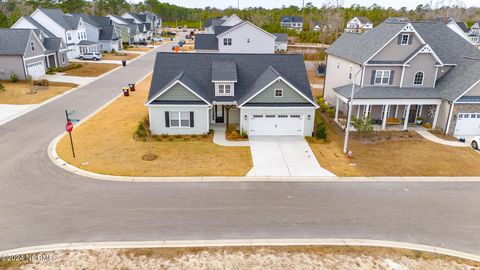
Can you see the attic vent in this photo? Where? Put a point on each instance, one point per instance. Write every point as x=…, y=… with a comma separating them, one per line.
x=408, y=28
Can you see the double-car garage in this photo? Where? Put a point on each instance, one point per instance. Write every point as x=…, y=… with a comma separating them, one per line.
x=468, y=124
x=36, y=69
x=277, y=122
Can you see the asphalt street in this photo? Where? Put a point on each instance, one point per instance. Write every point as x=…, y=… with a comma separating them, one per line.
x=41, y=203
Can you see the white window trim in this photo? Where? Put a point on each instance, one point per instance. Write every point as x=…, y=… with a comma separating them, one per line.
x=382, y=77
x=423, y=78
x=179, y=119
x=32, y=46
x=275, y=92
x=408, y=39
x=217, y=89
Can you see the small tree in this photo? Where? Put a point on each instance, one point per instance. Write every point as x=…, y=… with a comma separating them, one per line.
x=321, y=131
x=363, y=125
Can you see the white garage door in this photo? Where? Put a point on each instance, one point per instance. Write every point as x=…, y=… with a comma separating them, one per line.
x=468, y=124
x=36, y=69
x=276, y=124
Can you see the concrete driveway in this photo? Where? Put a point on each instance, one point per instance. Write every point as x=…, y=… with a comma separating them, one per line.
x=283, y=156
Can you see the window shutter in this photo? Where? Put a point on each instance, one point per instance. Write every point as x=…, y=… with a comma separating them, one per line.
x=191, y=119
x=167, y=119
x=399, y=40
x=410, y=39
x=373, y=77
x=391, y=76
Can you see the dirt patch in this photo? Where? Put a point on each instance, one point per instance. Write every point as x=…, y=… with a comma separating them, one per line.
x=106, y=144
x=316, y=81
x=24, y=93
x=139, y=49
x=301, y=257
x=395, y=153
x=440, y=135
x=90, y=70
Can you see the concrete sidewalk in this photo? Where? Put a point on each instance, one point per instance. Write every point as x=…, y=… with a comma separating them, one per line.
x=429, y=136
x=9, y=111
x=60, y=77
x=219, y=138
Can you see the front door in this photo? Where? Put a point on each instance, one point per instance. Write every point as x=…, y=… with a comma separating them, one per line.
x=412, y=114
x=219, y=115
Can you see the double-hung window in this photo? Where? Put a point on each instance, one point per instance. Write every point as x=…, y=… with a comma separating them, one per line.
x=405, y=39
x=179, y=119
x=224, y=89
x=382, y=77
x=227, y=41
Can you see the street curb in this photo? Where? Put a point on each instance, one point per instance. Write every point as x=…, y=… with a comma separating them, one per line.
x=240, y=243
x=36, y=106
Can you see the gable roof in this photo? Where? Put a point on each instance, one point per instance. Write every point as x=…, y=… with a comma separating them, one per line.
x=101, y=20
x=136, y=17
x=38, y=26
x=86, y=18
x=206, y=42
x=14, y=41
x=107, y=32
x=52, y=44
x=214, y=22
x=363, y=19
x=242, y=24
x=281, y=37
x=252, y=71
x=292, y=18
x=65, y=21
x=220, y=29
x=224, y=71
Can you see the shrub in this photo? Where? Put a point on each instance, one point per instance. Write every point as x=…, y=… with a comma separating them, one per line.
x=323, y=107
x=427, y=125
x=113, y=51
x=321, y=131
x=331, y=112
x=320, y=100
x=2, y=88
x=43, y=82
x=363, y=125
x=243, y=133
x=142, y=131
x=13, y=77
x=29, y=79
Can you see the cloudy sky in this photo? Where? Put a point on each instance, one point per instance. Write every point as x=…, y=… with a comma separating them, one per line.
x=279, y=3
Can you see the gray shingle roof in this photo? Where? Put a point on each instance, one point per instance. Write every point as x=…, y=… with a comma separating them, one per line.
x=391, y=92
x=57, y=15
x=206, y=42
x=14, y=41
x=136, y=17
x=86, y=18
x=281, y=37
x=220, y=29
x=363, y=19
x=224, y=71
x=253, y=70
x=293, y=18
x=107, y=32
x=39, y=26
x=86, y=42
x=101, y=20
x=52, y=44
x=214, y=22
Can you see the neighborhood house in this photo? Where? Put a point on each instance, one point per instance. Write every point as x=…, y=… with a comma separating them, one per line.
x=263, y=94
x=407, y=74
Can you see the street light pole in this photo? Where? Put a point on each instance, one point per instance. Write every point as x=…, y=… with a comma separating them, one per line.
x=349, y=116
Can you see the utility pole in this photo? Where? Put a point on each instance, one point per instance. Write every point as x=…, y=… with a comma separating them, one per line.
x=349, y=114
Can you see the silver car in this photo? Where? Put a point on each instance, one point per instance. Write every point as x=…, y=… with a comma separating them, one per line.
x=95, y=56
x=475, y=142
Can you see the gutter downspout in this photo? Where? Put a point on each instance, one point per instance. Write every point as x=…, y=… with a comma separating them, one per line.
x=325, y=76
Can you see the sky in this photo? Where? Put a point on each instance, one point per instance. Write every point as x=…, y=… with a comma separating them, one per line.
x=411, y=4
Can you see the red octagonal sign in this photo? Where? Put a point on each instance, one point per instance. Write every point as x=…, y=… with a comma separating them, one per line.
x=69, y=127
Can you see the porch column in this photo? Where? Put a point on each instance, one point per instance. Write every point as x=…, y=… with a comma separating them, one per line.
x=435, y=118
x=365, y=113
x=396, y=111
x=407, y=114
x=385, y=114
x=358, y=111
x=336, y=109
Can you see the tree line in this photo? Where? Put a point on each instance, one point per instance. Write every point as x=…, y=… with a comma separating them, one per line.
x=331, y=14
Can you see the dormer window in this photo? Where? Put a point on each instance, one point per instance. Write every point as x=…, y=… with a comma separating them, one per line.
x=418, y=80
x=405, y=39
x=224, y=89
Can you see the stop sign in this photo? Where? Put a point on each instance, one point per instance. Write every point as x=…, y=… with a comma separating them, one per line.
x=69, y=127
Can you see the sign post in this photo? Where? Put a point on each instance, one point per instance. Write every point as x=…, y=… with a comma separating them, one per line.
x=69, y=128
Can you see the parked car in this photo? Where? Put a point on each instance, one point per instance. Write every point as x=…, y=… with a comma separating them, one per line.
x=184, y=30
x=140, y=42
x=189, y=37
x=157, y=39
x=181, y=42
x=95, y=56
x=475, y=142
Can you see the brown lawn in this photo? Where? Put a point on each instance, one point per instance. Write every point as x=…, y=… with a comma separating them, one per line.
x=393, y=154
x=21, y=92
x=90, y=69
x=106, y=143
x=313, y=78
x=139, y=49
x=113, y=56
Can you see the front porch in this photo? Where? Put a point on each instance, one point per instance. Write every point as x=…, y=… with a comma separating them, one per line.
x=393, y=114
x=223, y=113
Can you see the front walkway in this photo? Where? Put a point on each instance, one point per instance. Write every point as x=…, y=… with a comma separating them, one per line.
x=60, y=77
x=429, y=136
x=283, y=156
x=219, y=137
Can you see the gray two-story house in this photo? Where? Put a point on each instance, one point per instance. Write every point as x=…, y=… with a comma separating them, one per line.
x=406, y=73
x=263, y=94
